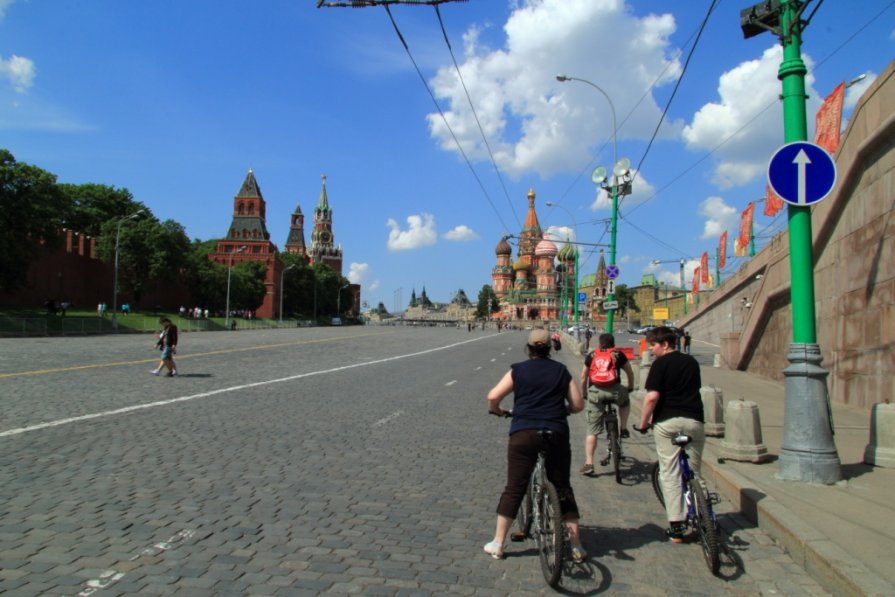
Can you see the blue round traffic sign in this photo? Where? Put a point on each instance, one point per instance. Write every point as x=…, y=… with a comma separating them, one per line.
x=802, y=173
x=612, y=272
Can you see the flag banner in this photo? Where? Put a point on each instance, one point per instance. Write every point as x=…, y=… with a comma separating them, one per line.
x=746, y=228
x=704, y=267
x=738, y=251
x=689, y=298
x=772, y=203
x=828, y=121
x=722, y=250
x=696, y=280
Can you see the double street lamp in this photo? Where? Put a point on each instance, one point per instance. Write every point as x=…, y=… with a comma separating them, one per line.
x=565, y=283
x=229, y=270
x=115, y=281
x=621, y=185
x=283, y=273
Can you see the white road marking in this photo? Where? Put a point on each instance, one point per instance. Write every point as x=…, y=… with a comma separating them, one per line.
x=391, y=417
x=107, y=578
x=257, y=384
x=450, y=383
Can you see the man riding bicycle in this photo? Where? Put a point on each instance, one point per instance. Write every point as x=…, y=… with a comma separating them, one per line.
x=673, y=406
x=544, y=394
x=594, y=391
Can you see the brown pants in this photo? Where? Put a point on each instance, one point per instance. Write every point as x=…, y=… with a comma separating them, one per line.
x=522, y=454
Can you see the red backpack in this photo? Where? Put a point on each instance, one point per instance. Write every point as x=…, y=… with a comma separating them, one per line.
x=603, y=372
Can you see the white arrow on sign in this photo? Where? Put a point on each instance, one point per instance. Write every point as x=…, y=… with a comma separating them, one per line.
x=802, y=160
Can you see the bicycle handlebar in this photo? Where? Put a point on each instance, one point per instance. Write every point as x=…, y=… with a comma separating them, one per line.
x=507, y=414
x=642, y=431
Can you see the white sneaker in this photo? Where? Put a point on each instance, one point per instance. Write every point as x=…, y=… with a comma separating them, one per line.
x=494, y=549
x=154, y=372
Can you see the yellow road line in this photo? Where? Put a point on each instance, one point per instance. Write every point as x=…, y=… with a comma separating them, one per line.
x=179, y=357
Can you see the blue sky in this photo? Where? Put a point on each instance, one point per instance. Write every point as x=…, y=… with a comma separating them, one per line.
x=176, y=100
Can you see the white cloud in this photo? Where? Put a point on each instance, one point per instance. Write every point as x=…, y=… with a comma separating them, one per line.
x=559, y=234
x=535, y=123
x=744, y=126
x=4, y=4
x=719, y=217
x=461, y=233
x=18, y=70
x=357, y=272
x=420, y=233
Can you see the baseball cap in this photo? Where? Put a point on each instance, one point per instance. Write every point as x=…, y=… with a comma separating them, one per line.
x=538, y=336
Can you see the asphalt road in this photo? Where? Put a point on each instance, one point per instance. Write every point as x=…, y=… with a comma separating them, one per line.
x=296, y=462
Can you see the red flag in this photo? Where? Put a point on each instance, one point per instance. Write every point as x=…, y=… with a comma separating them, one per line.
x=722, y=250
x=745, y=228
x=704, y=267
x=772, y=203
x=696, y=280
x=829, y=120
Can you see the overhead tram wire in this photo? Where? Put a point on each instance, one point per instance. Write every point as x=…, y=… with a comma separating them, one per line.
x=475, y=114
x=443, y=117
x=677, y=85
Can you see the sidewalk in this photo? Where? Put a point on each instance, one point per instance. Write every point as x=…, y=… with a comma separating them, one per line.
x=844, y=534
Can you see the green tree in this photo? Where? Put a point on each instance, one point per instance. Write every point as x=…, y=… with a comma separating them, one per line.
x=247, y=289
x=31, y=218
x=298, y=287
x=487, y=303
x=206, y=279
x=91, y=206
x=626, y=300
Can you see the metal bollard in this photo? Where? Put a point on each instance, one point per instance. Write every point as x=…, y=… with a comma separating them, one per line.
x=742, y=440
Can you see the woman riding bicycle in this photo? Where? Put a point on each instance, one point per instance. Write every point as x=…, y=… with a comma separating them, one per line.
x=544, y=394
x=673, y=405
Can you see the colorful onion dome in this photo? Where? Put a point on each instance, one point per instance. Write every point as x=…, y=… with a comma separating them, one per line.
x=545, y=248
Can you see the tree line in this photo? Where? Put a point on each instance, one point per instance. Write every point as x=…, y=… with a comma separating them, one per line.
x=35, y=208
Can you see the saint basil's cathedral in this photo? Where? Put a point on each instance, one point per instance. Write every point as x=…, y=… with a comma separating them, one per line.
x=540, y=283
x=248, y=240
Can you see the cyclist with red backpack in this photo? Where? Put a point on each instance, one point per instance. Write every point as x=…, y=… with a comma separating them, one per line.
x=601, y=378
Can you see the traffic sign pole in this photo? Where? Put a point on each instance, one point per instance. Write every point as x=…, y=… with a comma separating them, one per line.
x=808, y=452
x=613, y=227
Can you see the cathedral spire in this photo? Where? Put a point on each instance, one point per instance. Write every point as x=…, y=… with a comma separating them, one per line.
x=323, y=202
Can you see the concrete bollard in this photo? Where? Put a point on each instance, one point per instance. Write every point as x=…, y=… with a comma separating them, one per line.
x=646, y=359
x=716, y=362
x=713, y=406
x=742, y=440
x=881, y=449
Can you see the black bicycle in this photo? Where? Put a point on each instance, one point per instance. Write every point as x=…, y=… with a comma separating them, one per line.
x=613, y=438
x=699, y=501
x=540, y=517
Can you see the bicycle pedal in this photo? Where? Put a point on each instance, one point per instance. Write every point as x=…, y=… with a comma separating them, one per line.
x=714, y=498
x=605, y=461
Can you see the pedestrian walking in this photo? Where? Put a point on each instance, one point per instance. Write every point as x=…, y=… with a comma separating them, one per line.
x=167, y=343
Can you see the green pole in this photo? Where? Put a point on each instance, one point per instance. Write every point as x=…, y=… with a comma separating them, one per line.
x=808, y=452
x=795, y=128
x=717, y=267
x=613, y=227
x=577, y=332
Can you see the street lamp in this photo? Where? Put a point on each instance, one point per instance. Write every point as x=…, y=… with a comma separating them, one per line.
x=339, y=300
x=575, y=285
x=229, y=269
x=283, y=273
x=115, y=281
x=620, y=170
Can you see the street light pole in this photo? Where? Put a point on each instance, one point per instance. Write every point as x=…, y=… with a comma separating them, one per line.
x=283, y=273
x=230, y=269
x=339, y=300
x=617, y=171
x=808, y=452
x=115, y=281
x=575, y=280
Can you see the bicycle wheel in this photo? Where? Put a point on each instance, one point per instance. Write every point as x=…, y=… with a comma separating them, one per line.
x=705, y=525
x=616, y=447
x=657, y=485
x=523, y=516
x=549, y=534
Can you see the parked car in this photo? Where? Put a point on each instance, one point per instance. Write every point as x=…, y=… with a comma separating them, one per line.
x=645, y=329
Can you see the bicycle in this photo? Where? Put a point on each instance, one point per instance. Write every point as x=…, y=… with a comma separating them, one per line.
x=613, y=438
x=540, y=515
x=699, y=501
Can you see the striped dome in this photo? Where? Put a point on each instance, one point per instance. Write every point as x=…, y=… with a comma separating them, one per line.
x=503, y=247
x=545, y=248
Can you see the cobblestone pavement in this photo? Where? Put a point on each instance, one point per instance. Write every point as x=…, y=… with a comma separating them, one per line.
x=299, y=462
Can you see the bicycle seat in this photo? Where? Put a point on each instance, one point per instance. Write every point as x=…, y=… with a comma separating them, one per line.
x=681, y=440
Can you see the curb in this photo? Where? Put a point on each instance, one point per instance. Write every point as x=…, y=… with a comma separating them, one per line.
x=826, y=562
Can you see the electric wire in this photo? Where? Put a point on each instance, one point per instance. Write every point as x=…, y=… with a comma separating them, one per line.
x=443, y=117
x=476, y=116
